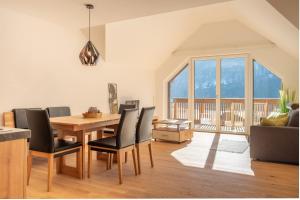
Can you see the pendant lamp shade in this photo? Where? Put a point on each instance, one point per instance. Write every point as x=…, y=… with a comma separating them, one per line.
x=89, y=54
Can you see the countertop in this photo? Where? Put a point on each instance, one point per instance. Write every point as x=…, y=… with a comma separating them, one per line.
x=8, y=134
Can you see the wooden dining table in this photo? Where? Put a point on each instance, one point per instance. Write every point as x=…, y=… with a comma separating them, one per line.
x=80, y=127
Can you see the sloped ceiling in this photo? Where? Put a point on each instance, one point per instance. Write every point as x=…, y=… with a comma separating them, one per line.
x=74, y=13
x=146, y=42
x=266, y=20
x=290, y=9
x=225, y=34
x=151, y=30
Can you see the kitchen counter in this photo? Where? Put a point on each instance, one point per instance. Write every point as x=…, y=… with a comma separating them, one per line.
x=8, y=134
x=13, y=162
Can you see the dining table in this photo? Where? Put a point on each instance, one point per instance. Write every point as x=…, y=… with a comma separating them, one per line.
x=81, y=128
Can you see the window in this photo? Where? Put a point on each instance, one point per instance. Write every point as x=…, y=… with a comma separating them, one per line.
x=178, y=95
x=233, y=78
x=205, y=79
x=266, y=84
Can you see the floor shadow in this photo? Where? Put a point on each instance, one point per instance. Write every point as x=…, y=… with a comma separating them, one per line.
x=212, y=152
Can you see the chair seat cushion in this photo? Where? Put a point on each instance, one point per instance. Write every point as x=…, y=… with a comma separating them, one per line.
x=109, y=131
x=55, y=133
x=61, y=145
x=109, y=142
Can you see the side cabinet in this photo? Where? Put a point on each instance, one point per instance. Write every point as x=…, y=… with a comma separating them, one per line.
x=13, y=168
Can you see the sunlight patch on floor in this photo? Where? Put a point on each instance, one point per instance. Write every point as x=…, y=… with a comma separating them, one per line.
x=198, y=153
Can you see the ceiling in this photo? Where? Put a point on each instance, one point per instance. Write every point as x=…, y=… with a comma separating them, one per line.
x=144, y=33
x=74, y=13
x=290, y=10
x=225, y=34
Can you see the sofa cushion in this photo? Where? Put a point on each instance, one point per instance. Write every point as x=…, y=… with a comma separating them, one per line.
x=277, y=115
x=293, y=118
x=280, y=121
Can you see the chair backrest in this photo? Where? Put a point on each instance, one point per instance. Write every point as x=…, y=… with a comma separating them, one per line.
x=8, y=120
x=41, y=136
x=126, y=129
x=144, y=125
x=125, y=106
x=21, y=118
x=59, y=111
x=134, y=102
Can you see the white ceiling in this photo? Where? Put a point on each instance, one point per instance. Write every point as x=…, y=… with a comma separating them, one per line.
x=147, y=42
x=74, y=13
x=145, y=39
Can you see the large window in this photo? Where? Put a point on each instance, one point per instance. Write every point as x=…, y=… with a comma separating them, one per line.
x=266, y=86
x=205, y=94
x=178, y=95
x=233, y=78
x=220, y=91
x=205, y=79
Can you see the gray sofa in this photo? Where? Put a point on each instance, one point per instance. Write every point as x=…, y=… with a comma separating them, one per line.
x=276, y=144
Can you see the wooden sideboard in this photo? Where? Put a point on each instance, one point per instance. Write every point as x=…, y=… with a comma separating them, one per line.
x=13, y=162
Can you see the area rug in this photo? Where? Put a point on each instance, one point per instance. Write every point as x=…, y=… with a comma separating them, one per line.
x=204, y=152
x=232, y=146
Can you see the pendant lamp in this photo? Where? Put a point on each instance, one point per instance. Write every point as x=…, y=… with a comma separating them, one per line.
x=89, y=54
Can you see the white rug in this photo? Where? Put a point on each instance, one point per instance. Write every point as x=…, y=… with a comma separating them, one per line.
x=206, y=151
x=232, y=146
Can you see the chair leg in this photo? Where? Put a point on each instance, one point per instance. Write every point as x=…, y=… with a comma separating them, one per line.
x=50, y=171
x=79, y=162
x=134, y=161
x=29, y=164
x=126, y=157
x=138, y=158
x=120, y=163
x=108, y=161
x=150, y=152
x=111, y=160
x=89, y=162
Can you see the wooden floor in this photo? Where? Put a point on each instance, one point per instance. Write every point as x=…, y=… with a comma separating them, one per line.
x=170, y=177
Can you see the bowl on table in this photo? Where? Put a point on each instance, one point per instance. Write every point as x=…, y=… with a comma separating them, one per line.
x=92, y=115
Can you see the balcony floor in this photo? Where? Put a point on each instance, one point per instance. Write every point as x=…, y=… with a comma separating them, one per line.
x=229, y=129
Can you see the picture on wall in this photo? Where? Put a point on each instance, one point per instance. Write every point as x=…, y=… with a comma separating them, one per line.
x=113, y=98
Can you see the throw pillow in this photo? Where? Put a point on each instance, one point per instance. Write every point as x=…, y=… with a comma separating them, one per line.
x=277, y=115
x=281, y=121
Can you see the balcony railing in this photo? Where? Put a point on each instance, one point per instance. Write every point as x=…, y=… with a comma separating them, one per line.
x=232, y=111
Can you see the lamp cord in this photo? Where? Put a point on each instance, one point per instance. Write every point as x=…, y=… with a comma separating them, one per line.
x=89, y=24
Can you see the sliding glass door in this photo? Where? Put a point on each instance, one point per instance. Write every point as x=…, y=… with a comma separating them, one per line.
x=219, y=94
x=205, y=94
x=232, y=98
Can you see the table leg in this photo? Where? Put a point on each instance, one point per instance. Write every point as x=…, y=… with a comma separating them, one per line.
x=99, y=136
x=59, y=161
x=81, y=138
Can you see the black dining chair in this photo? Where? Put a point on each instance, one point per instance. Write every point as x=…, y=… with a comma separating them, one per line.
x=144, y=134
x=42, y=144
x=60, y=111
x=20, y=117
x=121, y=108
x=122, y=142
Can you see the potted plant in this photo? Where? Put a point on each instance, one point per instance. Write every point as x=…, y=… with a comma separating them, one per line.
x=287, y=97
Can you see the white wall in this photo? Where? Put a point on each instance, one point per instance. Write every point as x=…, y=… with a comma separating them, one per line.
x=40, y=67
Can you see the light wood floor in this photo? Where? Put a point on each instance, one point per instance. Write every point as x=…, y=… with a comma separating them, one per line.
x=172, y=177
